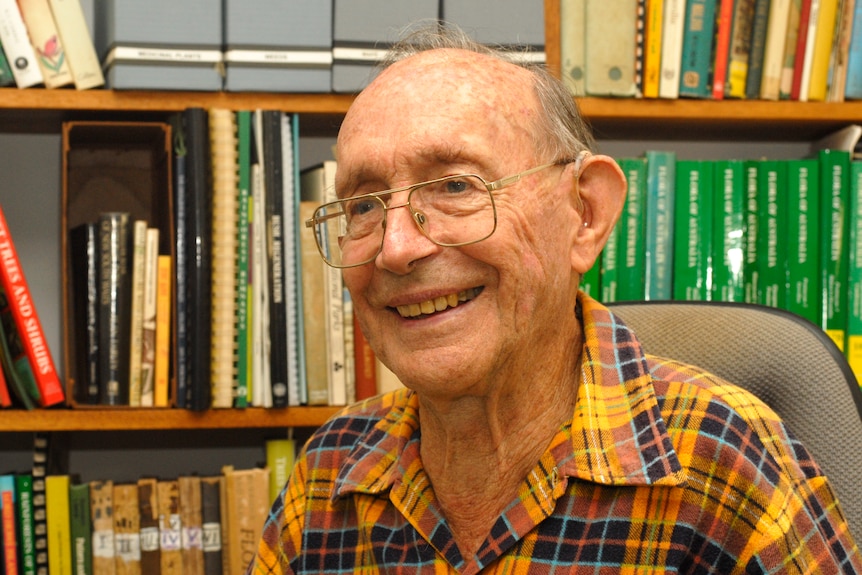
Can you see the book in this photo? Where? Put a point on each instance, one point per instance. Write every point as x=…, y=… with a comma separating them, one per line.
x=260, y=390
x=609, y=39
x=40, y=525
x=162, y=360
x=148, y=319
x=127, y=529
x=693, y=220
x=808, y=17
x=115, y=292
x=740, y=47
x=750, y=268
x=83, y=249
x=8, y=528
x=189, y=487
x=837, y=83
x=728, y=231
x=364, y=363
x=26, y=317
x=25, y=523
x=211, y=539
x=137, y=261
x=17, y=47
x=757, y=48
x=148, y=512
x=47, y=44
x=772, y=236
x=658, y=265
x=632, y=223
x=822, y=52
x=791, y=39
x=697, y=53
x=102, y=517
x=181, y=263
x=652, y=51
x=244, y=318
x=803, y=238
x=834, y=259
x=773, y=53
x=721, y=50
x=16, y=366
x=246, y=505
x=290, y=190
x=673, y=27
x=81, y=528
x=608, y=266
x=853, y=89
x=280, y=458
x=853, y=348
x=572, y=48
x=6, y=77
x=170, y=527
x=57, y=520
x=313, y=302
x=5, y=398
x=349, y=351
x=78, y=43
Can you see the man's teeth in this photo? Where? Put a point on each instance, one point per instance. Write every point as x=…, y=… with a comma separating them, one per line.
x=437, y=304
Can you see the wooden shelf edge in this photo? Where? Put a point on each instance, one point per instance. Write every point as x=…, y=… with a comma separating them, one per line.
x=95, y=419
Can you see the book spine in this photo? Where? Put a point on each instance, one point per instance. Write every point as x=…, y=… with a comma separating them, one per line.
x=757, y=48
x=76, y=37
x=6, y=77
x=631, y=261
x=223, y=148
x=692, y=230
x=652, y=48
x=290, y=177
x=611, y=30
x=364, y=363
x=822, y=53
x=40, y=525
x=334, y=305
x=114, y=308
x=805, y=60
x=148, y=507
x=24, y=518
x=85, y=293
x=740, y=47
x=349, y=348
x=181, y=295
x=16, y=367
x=609, y=269
x=101, y=515
x=834, y=192
x=773, y=55
x=259, y=385
x=5, y=398
x=59, y=537
x=697, y=52
x=785, y=87
x=127, y=529
x=802, y=231
x=837, y=85
x=280, y=458
x=136, y=316
x=752, y=231
x=853, y=88
x=313, y=310
x=724, y=24
x=572, y=48
x=17, y=47
x=659, y=224
x=162, y=361
x=46, y=42
x=148, y=323
x=27, y=319
x=772, y=239
x=853, y=349
x=243, y=308
x=673, y=26
x=729, y=231
x=81, y=528
x=190, y=519
x=7, y=524
x=211, y=536
x=170, y=528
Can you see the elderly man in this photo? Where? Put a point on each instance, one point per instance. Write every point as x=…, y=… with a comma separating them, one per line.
x=534, y=435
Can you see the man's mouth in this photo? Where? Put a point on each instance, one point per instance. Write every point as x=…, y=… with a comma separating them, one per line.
x=437, y=304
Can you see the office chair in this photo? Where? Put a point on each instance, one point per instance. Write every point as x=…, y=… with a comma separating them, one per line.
x=785, y=360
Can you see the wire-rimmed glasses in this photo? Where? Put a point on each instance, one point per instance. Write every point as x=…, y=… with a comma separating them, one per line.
x=452, y=211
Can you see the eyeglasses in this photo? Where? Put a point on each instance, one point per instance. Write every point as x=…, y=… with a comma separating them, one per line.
x=451, y=211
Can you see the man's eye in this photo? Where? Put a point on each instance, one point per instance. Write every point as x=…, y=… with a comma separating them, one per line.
x=364, y=207
x=457, y=186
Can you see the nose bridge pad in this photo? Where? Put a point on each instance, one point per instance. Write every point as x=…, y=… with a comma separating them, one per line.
x=420, y=219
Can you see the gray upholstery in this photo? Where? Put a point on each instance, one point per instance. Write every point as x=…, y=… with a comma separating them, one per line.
x=786, y=361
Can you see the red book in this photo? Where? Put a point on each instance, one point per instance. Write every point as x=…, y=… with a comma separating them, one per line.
x=801, y=43
x=7, y=516
x=27, y=320
x=5, y=399
x=365, y=364
x=724, y=20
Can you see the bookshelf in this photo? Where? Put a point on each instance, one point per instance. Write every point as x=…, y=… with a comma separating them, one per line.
x=40, y=111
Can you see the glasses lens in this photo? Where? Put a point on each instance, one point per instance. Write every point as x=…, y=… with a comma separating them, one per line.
x=350, y=232
x=455, y=210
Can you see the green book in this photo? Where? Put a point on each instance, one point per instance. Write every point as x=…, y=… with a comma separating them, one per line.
x=692, y=257
x=24, y=519
x=590, y=280
x=6, y=77
x=834, y=222
x=853, y=349
x=630, y=253
x=658, y=271
x=81, y=528
x=608, y=266
x=243, y=304
x=772, y=236
x=803, y=225
x=750, y=271
x=728, y=231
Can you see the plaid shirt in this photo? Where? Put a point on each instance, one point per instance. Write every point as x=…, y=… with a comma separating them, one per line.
x=662, y=468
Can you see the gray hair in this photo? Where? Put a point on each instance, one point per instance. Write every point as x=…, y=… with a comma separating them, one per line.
x=562, y=132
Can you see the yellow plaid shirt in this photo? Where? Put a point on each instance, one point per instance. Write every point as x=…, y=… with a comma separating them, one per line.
x=662, y=468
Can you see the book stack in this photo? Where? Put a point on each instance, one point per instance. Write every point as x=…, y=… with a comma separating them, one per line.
x=776, y=232
x=802, y=50
x=47, y=43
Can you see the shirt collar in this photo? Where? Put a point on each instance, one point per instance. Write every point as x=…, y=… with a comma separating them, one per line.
x=616, y=436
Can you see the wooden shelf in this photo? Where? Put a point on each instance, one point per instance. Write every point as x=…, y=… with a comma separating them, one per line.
x=94, y=419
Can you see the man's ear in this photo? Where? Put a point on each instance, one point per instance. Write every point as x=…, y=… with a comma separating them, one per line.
x=602, y=188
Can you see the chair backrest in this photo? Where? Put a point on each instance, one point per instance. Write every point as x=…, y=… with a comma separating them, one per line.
x=785, y=360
